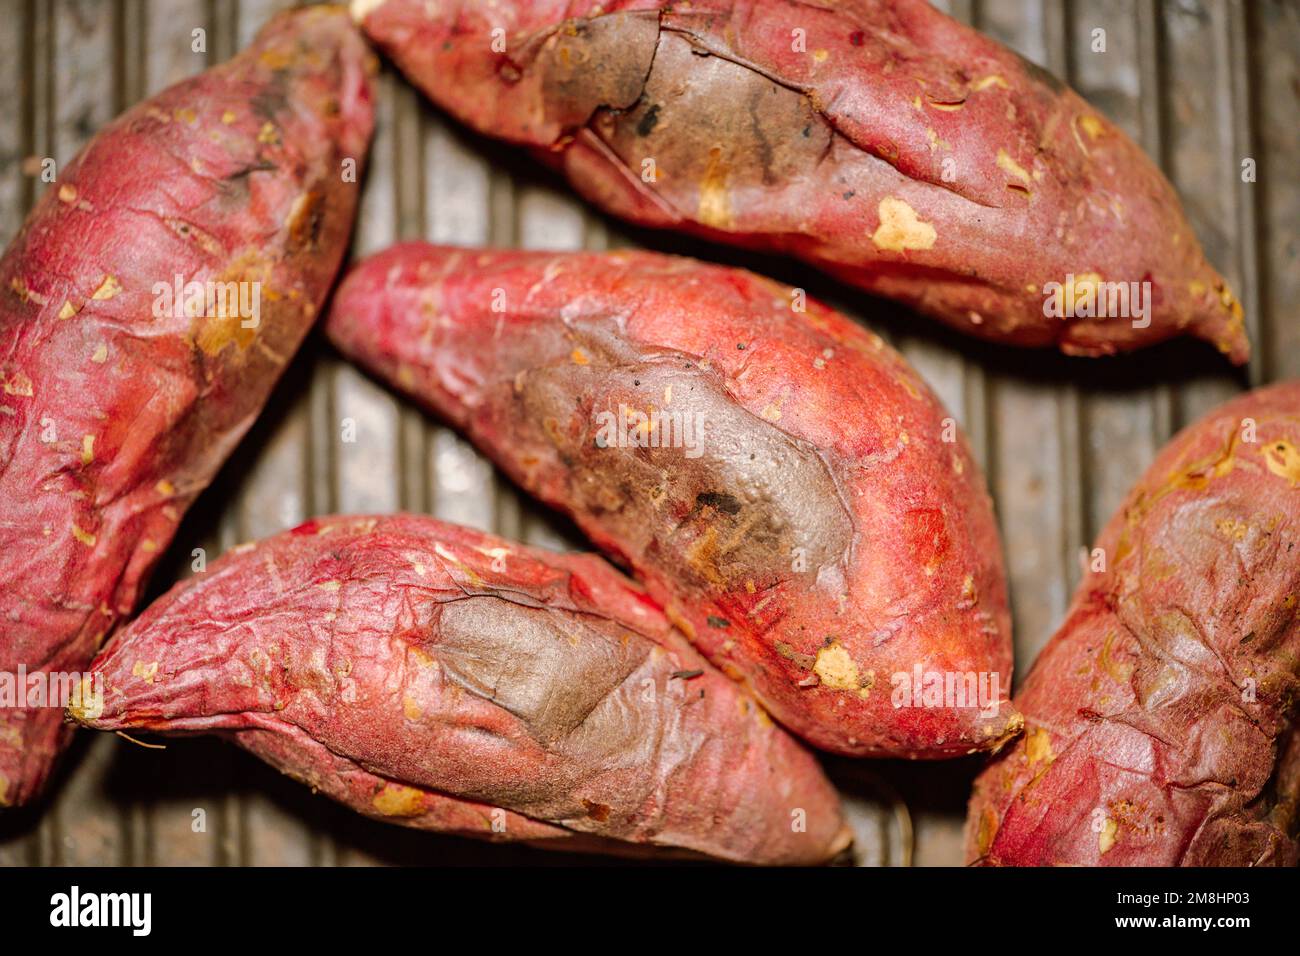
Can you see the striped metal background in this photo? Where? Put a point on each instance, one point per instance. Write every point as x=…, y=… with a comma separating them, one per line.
x=1202, y=84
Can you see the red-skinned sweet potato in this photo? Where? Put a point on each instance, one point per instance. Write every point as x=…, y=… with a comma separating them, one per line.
x=878, y=139
x=801, y=504
x=428, y=675
x=118, y=406
x=1160, y=718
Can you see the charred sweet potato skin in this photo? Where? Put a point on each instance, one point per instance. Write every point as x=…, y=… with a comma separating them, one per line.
x=878, y=139
x=1160, y=718
x=429, y=675
x=824, y=530
x=116, y=414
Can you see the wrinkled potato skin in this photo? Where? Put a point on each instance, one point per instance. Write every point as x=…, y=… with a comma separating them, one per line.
x=827, y=528
x=1142, y=745
x=895, y=148
x=428, y=675
x=114, y=418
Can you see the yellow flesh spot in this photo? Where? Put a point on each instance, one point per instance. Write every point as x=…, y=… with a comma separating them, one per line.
x=397, y=800
x=146, y=672
x=361, y=9
x=715, y=202
x=1009, y=165
x=1116, y=669
x=1106, y=838
x=988, y=829
x=836, y=669
x=1283, y=459
x=17, y=384
x=85, y=705
x=1232, y=529
x=1038, y=747
x=108, y=288
x=1084, y=289
x=900, y=229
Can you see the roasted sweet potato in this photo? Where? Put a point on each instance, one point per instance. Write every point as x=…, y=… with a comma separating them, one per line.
x=877, y=139
x=431, y=675
x=124, y=388
x=783, y=481
x=1160, y=719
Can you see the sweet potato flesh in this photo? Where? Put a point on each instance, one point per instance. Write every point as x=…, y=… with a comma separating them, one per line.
x=799, y=500
x=116, y=409
x=878, y=139
x=449, y=680
x=1160, y=719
